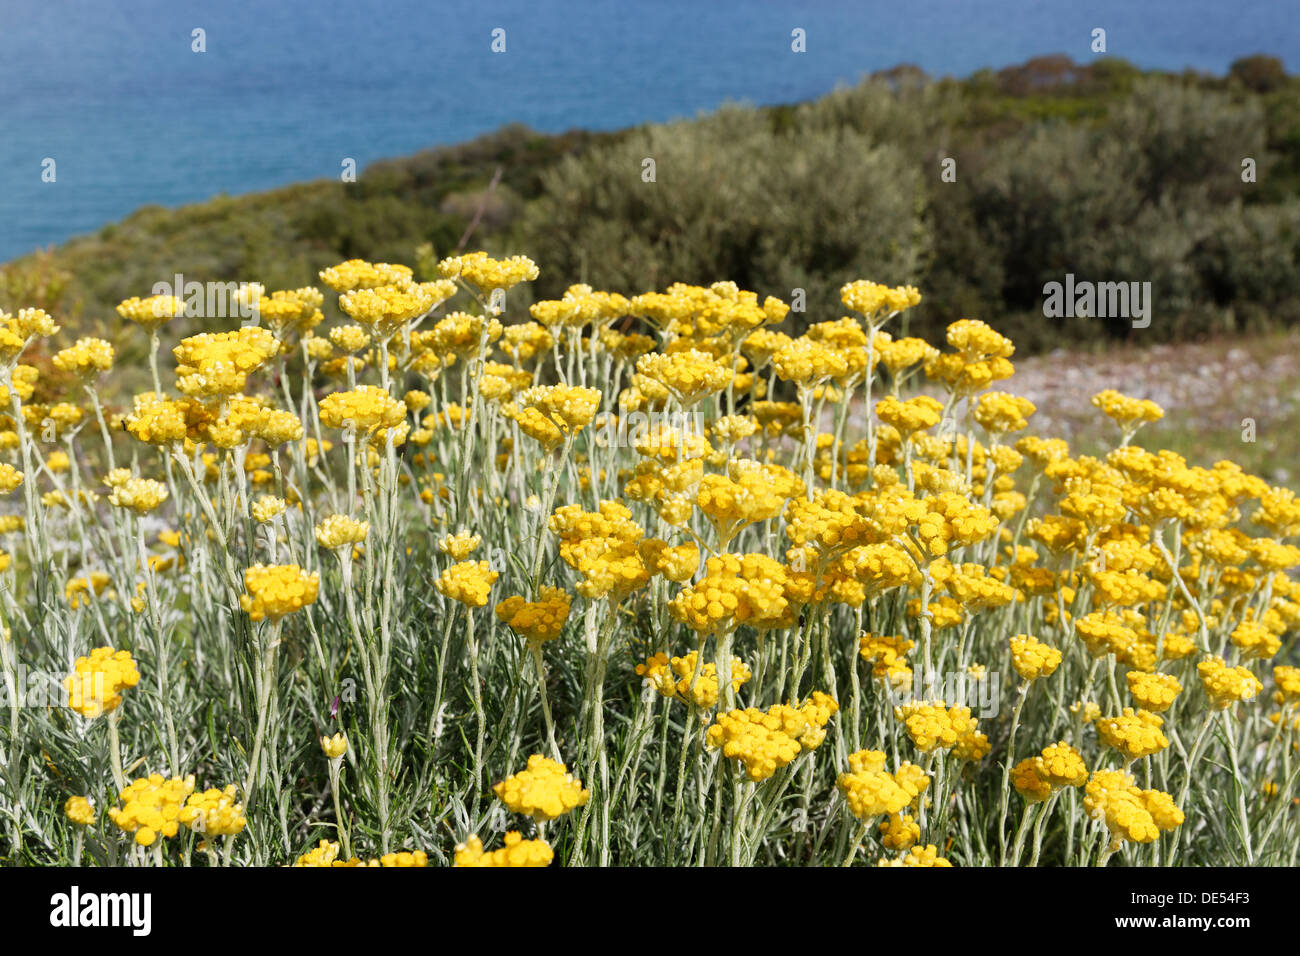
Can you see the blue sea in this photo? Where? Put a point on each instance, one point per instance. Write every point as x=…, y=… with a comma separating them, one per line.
x=113, y=92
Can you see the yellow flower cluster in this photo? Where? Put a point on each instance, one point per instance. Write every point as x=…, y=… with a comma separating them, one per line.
x=1032, y=658
x=689, y=376
x=460, y=545
x=1059, y=765
x=336, y=532
x=1255, y=640
x=888, y=658
x=765, y=741
x=10, y=478
x=872, y=298
x=1001, y=413
x=935, y=725
x=1153, y=692
x=516, y=852
x=96, y=683
x=1139, y=816
x=214, y=813
x=900, y=832
x=685, y=679
x=551, y=413
x=277, y=590
x=365, y=409
x=217, y=364
x=267, y=508
x=676, y=563
x=1127, y=412
x=870, y=791
x=544, y=791
x=359, y=274
x=386, y=308
x=481, y=270
x=911, y=416
x=602, y=546
x=537, y=621
x=581, y=305
x=79, y=811
x=152, y=807
x=153, y=312
x=468, y=582
x=918, y=856
x=1134, y=733
x=86, y=358
x=140, y=495
x=807, y=362
x=735, y=589
x=1225, y=685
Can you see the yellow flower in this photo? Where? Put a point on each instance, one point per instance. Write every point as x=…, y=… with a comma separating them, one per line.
x=659, y=671
x=551, y=413
x=213, y=812
x=366, y=409
x=10, y=477
x=1226, y=685
x=152, y=312
x=141, y=495
x=1129, y=813
x=1153, y=692
x=86, y=358
x=359, y=274
x=536, y=621
x=1001, y=413
x=459, y=546
x=899, y=831
x=96, y=683
x=277, y=590
x=918, y=856
x=765, y=741
x=79, y=811
x=468, y=582
x=871, y=792
x=689, y=375
x=215, y=364
x=544, y=791
x=876, y=301
x=1032, y=658
x=385, y=309
x=152, y=807
x=323, y=854
x=516, y=852
x=1128, y=413
x=1255, y=640
x=268, y=508
x=334, y=747
x=935, y=725
x=339, y=532
x=1133, y=733
x=488, y=274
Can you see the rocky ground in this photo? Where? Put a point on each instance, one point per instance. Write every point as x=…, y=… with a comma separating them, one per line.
x=1206, y=389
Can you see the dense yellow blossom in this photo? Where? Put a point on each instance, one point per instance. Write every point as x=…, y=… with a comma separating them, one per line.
x=277, y=590
x=516, y=852
x=152, y=807
x=468, y=582
x=97, y=681
x=544, y=791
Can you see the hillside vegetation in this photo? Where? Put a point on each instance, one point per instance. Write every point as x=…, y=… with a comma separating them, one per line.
x=1103, y=171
